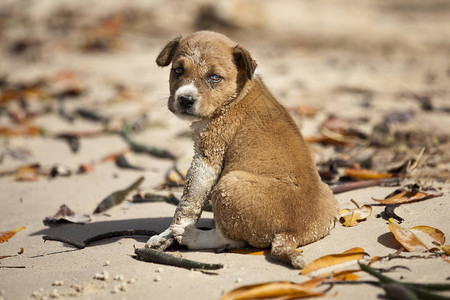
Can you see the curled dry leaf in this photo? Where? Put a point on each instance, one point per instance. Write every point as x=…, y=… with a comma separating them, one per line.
x=418, y=238
x=65, y=214
x=279, y=290
x=405, y=196
x=334, y=259
x=4, y=236
x=352, y=217
x=366, y=174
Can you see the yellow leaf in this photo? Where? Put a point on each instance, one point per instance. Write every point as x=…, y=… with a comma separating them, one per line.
x=417, y=239
x=334, y=259
x=286, y=290
x=446, y=249
x=365, y=174
x=4, y=236
x=351, y=218
x=346, y=275
x=250, y=251
x=407, y=196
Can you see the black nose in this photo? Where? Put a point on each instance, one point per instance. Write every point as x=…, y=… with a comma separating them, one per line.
x=186, y=101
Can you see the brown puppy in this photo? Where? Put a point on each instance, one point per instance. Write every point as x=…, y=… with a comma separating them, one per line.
x=250, y=159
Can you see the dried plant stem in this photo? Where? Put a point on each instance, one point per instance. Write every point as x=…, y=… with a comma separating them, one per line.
x=160, y=257
x=360, y=184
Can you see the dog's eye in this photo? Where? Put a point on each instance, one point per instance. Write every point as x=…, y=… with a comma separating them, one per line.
x=178, y=71
x=214, y=78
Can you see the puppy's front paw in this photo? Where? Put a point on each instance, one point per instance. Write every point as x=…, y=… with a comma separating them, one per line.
x=157, y=240
x=185, y=234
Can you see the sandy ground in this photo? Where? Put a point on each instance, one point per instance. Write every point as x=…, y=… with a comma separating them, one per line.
x=359, y=60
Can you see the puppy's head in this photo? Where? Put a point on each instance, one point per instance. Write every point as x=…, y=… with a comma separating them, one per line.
x=208, y=71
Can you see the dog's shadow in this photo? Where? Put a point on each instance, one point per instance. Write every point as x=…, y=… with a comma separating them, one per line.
x=82, y=232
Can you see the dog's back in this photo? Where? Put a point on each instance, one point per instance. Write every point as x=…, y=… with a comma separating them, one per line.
x=269, y=187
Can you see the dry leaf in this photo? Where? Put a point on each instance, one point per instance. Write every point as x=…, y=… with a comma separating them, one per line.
x=250, y=251
x=366, y=174
x=405, y=196
x=65, y=214
x=27, y=173
x=334, y=259
x=254, y=251
x=346, y=275
x=352, y=217
x=418, y=238
x=446, y=249
x=4, y=236
x=279, y=290
x=21, y=131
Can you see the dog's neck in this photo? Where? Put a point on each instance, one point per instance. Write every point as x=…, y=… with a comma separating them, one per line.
x=199, y=126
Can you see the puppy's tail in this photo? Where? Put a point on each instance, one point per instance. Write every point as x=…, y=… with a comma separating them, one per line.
x=283, y=250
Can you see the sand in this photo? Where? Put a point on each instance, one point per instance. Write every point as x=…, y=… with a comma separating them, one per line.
x=335, y=56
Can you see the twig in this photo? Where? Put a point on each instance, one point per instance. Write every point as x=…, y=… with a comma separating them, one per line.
x=137, y=147
x=160, y=257
x=360, y=184
x=12, y=267
x=87, y=242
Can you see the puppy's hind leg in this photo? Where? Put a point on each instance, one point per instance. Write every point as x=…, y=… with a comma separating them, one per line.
x=196, y=239
x=283, y=250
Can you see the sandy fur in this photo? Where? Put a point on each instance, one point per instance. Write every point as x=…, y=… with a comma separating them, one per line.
x=250, y=159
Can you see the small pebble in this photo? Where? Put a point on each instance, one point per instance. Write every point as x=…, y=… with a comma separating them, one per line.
x=106, y=263
x=104, y=275
x=159, y=270
x=54, y=294
x=157, y=278
x=115, y=290
x=118, y=277
x=132, y=280
x=238, y=280
x=123, y=287
x=58, y=283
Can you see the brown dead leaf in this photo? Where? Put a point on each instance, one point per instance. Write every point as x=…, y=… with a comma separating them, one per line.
x=418, y=238
x=334, y=259
x=279, y=290
x=65, y=214
x=20, y=131
x=405, y=196
x=27, y=173
x=254, y=251
x=4, y=236
x=366, y=174
x=352, y=217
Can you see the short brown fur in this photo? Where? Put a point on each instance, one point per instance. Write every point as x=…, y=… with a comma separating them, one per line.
x=267, y=191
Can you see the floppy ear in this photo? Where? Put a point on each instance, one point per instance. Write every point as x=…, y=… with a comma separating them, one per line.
x=165, y=57
x=244, y=61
